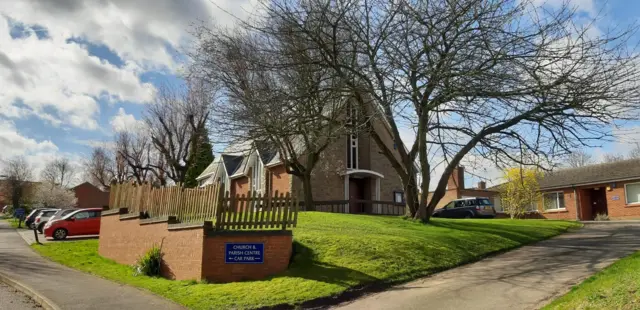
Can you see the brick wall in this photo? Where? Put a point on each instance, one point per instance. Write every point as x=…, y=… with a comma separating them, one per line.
x=240, y=186
x=326, y=181
x=190, y=252
x=277, y=252
x=280, y=179
x=618, y=208
x=391, y=181
x=90, y=196
x=126, y=240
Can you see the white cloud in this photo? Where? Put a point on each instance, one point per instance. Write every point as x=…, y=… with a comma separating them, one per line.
x=136, y=30
x=12, y=144
x=123, y=121
x=587, y=6
x=58, y=80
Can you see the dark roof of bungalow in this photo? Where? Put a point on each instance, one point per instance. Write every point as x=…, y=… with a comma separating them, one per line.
x=592, y=174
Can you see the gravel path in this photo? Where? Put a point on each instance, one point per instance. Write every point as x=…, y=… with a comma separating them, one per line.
x=12, y=299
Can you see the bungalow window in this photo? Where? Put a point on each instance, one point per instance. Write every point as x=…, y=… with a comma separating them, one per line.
x=632, y=193
x=553, y=201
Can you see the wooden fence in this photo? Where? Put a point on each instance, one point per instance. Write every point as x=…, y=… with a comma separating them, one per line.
x=192, y=205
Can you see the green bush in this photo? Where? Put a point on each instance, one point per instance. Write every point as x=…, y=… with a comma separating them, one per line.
x=149, y=264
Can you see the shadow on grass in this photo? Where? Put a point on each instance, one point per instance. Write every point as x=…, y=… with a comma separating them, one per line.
x=304, y=265
x=519, y=234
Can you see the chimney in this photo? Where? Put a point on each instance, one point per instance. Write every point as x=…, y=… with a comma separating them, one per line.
x=456, y=180
x=482, y=185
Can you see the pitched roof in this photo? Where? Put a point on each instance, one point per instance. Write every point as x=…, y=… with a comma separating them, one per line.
x=210, y=170
x=592, y=174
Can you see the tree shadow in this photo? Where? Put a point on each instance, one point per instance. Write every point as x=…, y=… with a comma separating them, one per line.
x=303, y=264
x=519, y=234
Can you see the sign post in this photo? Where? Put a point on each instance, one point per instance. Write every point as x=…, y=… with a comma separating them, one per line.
x=19, y=213
x=243, y=253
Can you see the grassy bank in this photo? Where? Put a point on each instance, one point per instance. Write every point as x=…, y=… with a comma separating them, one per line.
x=11, y=220
x=334, y=252
x=616, y=287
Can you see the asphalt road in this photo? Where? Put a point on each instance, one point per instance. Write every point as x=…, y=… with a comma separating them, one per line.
x=526, y=278
x=12, y=299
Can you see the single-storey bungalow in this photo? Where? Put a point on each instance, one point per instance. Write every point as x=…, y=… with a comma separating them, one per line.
x=584, y=192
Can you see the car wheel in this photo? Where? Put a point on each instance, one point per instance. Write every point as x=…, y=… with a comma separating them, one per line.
x=468, y=216
x=40, y=228
x=60, y=234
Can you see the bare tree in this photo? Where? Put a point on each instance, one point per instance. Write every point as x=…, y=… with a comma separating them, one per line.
x=635, y=151
x=58, y=171
x=102, y=167
x=486, y=78
x=174, y=121
x=276, y=96
x=612, y=158
x=134, y=149
x=18, y=174
x=579, y=158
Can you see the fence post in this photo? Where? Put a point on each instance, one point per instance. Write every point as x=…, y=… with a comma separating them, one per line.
x=285, y=212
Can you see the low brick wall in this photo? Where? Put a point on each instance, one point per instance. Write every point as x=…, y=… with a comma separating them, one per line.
x=190, y=251
x=277, y=252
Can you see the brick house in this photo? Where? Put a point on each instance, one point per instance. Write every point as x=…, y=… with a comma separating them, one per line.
x=351, y=168
x=89, y=196
x=582, y=193
x=456, y=189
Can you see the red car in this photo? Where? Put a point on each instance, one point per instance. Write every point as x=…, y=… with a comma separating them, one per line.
x=78, y=223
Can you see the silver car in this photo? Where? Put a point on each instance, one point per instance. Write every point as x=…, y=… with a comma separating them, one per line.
x=43, y=218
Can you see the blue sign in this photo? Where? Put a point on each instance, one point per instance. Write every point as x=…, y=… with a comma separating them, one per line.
x=615, y=197
x=18, y=213
x=244, y=253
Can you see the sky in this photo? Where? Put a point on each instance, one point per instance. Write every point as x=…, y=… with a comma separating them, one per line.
x=72, y=72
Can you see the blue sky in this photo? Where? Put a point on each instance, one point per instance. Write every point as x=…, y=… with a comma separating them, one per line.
x=73, y=71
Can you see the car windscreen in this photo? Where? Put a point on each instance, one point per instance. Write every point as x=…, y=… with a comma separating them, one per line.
x=48, y=213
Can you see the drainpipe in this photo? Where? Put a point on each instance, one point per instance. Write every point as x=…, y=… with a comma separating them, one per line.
x=577, y=200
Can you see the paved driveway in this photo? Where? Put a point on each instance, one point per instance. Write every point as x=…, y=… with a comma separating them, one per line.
x=67, y=288
x=526, y=278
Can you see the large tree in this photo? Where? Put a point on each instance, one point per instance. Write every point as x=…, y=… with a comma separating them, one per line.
x=276, y=95
x=173, y=122
x=474, y=77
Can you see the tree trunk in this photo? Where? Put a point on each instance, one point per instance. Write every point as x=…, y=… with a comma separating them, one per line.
x=412, y=199
x=308, y=193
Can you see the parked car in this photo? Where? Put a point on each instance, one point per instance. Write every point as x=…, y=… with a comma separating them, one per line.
x=61, y=213
x=77, y=223
x=476, y=207
x=43, y=218
x=32, y=216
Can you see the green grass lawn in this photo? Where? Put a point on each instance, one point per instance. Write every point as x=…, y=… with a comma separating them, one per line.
x=334, y=252
x=11, y=220
x=615, y=287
